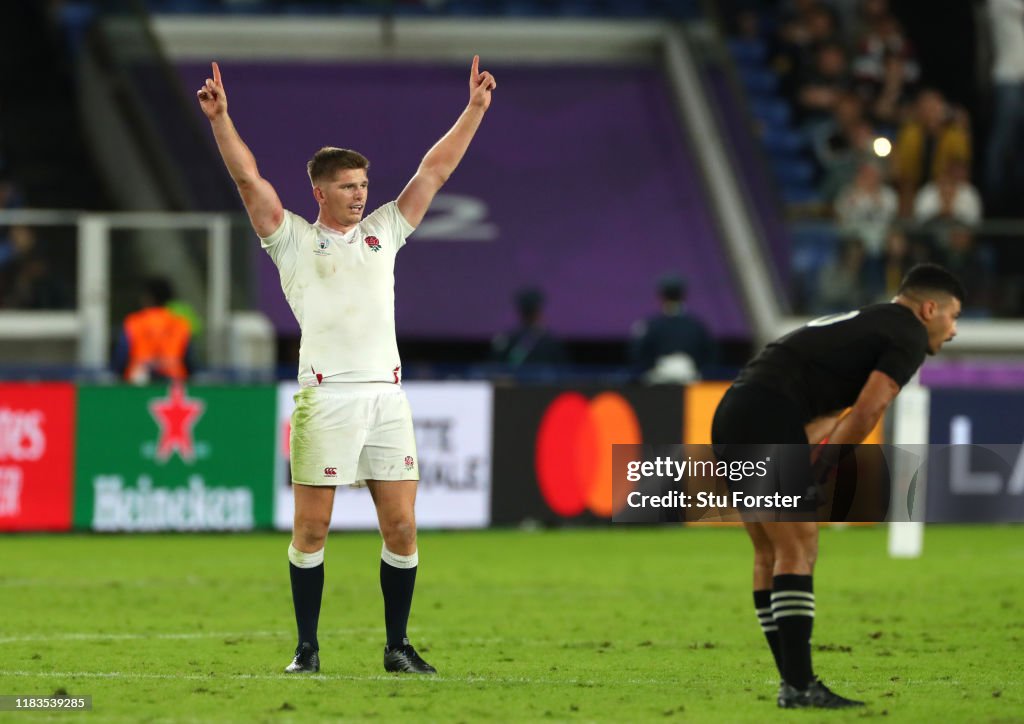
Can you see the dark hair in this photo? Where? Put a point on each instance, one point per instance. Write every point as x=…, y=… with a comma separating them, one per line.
x=158, y=290
x=929, y=277
x=672, y=288
x=529, y=302
x=329, y=160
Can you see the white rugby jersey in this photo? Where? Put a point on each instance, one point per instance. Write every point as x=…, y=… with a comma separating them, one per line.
x=341, y=288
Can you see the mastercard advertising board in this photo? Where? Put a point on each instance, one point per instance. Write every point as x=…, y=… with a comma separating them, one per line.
x=553, y=447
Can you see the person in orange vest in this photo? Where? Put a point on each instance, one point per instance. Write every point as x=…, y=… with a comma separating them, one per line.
x=155, y=343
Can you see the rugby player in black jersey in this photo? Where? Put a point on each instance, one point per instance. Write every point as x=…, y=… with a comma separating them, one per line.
x=793, y=396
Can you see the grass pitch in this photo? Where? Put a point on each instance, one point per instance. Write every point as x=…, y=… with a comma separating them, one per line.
x=589, y=625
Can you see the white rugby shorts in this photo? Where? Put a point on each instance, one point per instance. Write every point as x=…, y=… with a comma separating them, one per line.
x=346, y=434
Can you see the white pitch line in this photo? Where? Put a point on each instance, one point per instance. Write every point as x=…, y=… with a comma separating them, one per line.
x=149, y=636
x=369, y=632
x=334, y=677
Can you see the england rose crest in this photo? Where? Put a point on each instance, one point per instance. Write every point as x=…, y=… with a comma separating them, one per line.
x=373, y=242
x=408, y=462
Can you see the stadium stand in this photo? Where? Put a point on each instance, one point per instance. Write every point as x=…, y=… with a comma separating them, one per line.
x=151, y=154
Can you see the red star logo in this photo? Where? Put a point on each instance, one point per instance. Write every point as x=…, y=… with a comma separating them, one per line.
x=176, y=415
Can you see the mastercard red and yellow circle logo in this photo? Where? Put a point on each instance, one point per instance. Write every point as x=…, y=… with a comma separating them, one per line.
x=574, y=452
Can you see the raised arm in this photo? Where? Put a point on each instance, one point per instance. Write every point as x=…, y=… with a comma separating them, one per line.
x=259, y=197
x=441, y=160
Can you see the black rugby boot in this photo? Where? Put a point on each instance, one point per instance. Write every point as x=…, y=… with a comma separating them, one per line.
x=815, y=696
x=404, y=659
x=306, y=661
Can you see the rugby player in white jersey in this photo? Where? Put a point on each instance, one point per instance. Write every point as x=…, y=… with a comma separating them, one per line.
x=352, y=423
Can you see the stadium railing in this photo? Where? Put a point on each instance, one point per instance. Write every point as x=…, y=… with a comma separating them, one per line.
x=239, y=339
x=991, y=322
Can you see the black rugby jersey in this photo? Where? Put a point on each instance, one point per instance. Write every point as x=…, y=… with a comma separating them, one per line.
x=824, y=365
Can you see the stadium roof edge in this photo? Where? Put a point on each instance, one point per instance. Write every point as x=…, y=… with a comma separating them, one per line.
x=374, y=39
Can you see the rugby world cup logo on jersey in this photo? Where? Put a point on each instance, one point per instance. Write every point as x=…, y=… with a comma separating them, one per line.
x=323, y=246
x=373, y=242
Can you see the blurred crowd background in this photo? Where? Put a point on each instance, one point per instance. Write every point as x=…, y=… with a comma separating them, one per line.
x=865, y=135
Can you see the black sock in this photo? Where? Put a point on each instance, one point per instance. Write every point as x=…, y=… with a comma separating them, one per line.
x=793, y=609
x=397, y=585
x=307, y=591
x=763, y=607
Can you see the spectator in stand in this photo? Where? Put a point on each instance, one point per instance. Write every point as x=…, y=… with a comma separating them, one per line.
x=878, y=39
x=26, y=277
x=35, y=286
x=833, y=140
x=867, y=207
x=673, y=346
x=848, y=14
x=856, y=149
x=892, y=94
x=795, y=27
x=1006, y=138
x=531, y=343
x=856, y=17
x=926, y=144
x=901, y=254
x=821, y=87
x=974, y=266
x=14, y=241
x=949, y=198
x=804, y=31
x=845, y=283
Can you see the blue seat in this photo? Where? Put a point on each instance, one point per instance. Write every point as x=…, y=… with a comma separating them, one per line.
x=256, y=7
x=782, y=141
x=526, y=8
x=473, y=8
x=800, y=194
x=759, y=82
x=628, y=8
x=579, y=8
x=311, y=8
x=679, y=9
x=813, y=247
x=771, y=112
x=793, y=171
x=748, y=51
x=410, y=10
x=189, y=7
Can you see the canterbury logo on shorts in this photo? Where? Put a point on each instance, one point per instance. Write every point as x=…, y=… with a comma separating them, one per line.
x=330, y=472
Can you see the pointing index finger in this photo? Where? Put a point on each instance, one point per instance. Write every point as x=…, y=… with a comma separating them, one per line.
x=216, y=73
x=476, y=68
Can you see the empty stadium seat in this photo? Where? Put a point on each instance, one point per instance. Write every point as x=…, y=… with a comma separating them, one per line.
x=747, y=51
x=759, y=81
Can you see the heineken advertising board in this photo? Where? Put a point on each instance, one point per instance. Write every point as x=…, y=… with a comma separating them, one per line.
x=174, y=458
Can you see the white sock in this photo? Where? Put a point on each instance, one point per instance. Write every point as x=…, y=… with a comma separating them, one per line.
x=300, y=559
x=396, y=561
